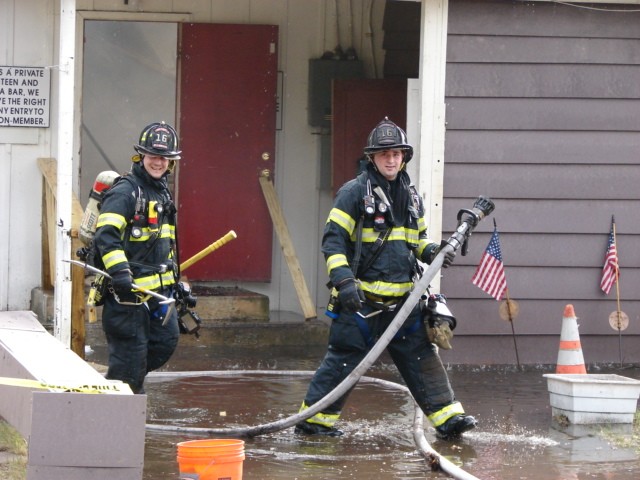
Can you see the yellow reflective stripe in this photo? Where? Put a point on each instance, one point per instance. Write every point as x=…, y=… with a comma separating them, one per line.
x=324, y=419
x=412, y=236
x=386, y=289
x=167, y=231
x=343, y=219
x=422, y=224
x=155, y=281
x=114, y=257
x=402, y=234
x=335, y=261
x=145, y=235
x=369, y=235
x=424, y=243
x=444, y=414
x=112, y=219
x=398, y=234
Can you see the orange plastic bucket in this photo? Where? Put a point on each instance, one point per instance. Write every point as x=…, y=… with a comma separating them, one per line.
x=213, y=459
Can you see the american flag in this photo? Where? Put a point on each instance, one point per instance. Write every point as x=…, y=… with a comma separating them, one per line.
x=610, y=271
x=489, y=275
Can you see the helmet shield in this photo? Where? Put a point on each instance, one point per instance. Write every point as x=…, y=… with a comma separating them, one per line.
x=159, y=139
x=388, y=136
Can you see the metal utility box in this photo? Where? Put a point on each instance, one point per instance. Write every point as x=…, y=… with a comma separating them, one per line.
x=321, y=75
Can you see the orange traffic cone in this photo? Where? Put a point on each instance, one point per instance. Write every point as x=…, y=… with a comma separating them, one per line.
x=570, y=359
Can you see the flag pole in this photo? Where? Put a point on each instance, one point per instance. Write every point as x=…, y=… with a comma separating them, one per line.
x=513, y=330
x=618, y=310
x=510, y=314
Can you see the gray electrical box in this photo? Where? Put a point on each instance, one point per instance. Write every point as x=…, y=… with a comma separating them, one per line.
x=321, y=74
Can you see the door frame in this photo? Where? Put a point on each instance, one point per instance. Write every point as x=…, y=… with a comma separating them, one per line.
x=81, y=16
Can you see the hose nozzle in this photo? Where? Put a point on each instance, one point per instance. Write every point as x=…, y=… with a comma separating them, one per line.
x=485, y=205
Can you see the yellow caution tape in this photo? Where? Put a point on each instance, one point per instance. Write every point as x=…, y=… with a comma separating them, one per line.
x=118, y=388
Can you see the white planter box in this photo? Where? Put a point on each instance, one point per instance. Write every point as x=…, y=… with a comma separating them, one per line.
x=592, y=398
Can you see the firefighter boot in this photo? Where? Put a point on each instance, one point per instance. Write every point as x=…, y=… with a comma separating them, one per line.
x=306, y=428
x=456, y=426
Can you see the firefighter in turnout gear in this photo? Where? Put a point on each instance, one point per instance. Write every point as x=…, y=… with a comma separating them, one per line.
x=372, y=238
x=136, y=241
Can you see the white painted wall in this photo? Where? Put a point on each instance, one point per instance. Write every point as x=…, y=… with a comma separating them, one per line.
x=28, y=36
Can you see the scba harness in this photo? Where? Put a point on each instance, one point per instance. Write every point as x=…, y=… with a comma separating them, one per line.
x=144, y=225
x=376, y=217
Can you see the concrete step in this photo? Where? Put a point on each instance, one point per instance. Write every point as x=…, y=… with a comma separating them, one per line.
x=230, y=303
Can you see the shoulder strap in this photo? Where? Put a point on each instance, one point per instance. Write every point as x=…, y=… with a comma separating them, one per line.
x=358, y=248
x=379, y=244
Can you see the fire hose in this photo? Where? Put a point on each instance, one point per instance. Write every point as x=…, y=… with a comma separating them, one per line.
x=468, y=219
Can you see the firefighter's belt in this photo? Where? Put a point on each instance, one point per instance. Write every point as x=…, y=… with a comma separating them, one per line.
x=387, y=304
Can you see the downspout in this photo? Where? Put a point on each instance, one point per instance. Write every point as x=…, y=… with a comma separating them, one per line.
x=64, y=156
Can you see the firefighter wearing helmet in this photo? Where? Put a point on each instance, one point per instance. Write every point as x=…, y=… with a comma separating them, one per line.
x=372, y=238
x=136, y=241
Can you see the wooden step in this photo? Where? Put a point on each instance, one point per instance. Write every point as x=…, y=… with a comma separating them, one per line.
x=230, y=304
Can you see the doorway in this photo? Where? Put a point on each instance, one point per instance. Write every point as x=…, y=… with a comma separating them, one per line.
x=220, y=93
x=128, y=81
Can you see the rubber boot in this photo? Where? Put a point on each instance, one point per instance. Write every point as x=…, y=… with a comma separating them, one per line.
x=456, y=426
x=306, y=428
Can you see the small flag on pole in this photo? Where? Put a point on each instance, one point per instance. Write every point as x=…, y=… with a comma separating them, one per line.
x=610, y=271
x=489, y=275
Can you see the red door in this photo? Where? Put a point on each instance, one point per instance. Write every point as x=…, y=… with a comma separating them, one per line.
x=228, y=77
x=358, y=106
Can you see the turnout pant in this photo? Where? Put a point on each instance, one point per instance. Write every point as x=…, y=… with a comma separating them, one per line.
x=350, y=339
x=137, y=339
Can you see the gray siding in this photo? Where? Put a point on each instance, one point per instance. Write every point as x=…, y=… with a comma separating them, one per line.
x=543, y=115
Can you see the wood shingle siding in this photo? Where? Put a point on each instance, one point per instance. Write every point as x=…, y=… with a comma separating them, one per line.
x=543, y=116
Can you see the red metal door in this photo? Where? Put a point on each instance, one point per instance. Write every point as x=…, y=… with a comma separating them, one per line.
x=228, y=78
x=358, y=106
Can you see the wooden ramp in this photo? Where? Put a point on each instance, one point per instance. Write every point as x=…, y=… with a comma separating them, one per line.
x=78, y=424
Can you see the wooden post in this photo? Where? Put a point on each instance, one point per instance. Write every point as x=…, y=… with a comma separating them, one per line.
x=48, y=168
x=308, y=307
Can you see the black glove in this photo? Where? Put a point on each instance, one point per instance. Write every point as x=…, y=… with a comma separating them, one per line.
x=350, y=296
x=122, y=282
x=448, y=256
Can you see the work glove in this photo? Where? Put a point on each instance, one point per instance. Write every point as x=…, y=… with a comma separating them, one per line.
x=448, y=257
x=438, y=320
x=440, y=333
x=350, y=296
x=122, y=281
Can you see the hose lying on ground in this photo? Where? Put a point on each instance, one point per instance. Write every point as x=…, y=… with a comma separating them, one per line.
x=350, y=381
x=434, y=459
x=482, y=207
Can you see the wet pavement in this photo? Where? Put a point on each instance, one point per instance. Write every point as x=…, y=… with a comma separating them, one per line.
x=516, y=437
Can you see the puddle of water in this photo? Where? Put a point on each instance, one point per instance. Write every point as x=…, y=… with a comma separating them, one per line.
x=515, y=438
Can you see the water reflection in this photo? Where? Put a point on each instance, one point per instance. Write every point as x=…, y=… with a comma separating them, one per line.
x=515, y=438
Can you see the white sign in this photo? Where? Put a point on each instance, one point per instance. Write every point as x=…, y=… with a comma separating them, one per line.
x=24, y=96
